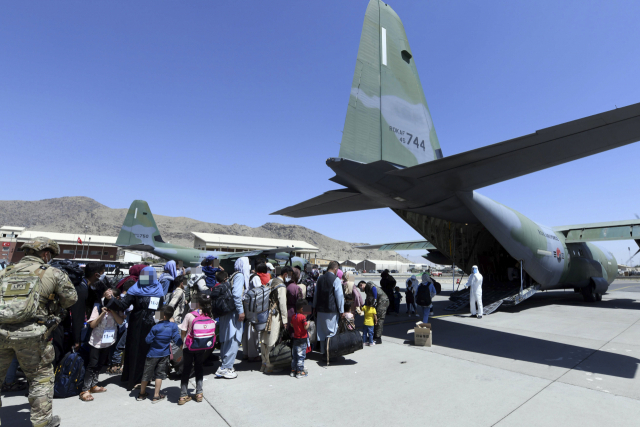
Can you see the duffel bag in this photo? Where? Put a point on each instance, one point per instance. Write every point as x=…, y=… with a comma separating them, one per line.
x=344, y=343
x=280, y=354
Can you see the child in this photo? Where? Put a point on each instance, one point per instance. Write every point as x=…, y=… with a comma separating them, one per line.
x=179, y=300
x=104, y=323
x=370, y=319
x=299, y=344
x=348, y=316
x=156, y=365
x=196, y=343
x=397, y=297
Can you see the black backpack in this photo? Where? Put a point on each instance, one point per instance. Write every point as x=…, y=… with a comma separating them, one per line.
x=222, y=302
x=423, y=297
x=73, y=270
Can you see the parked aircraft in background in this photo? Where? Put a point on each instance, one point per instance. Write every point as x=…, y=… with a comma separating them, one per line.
x=390, y=156
x=140, y=232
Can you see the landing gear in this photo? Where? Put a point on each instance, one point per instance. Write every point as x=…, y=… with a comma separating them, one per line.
x=589, y=294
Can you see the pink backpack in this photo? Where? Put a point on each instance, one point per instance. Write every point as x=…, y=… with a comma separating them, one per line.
x=203, y=333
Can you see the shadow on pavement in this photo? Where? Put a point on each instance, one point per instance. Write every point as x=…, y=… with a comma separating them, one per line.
x=11, y=416
x=468, y=337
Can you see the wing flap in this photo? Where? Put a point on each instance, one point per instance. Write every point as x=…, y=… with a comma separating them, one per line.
x=398, y=246
x=336, y=201
x=540, y=150
x=601, y=231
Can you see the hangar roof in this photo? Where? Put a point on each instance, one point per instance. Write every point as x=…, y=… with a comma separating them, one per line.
x=64, y=238
x=245, y=242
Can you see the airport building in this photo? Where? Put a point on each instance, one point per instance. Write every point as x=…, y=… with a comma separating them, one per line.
x=229, y=243
x=72, y=246
x=371, y=265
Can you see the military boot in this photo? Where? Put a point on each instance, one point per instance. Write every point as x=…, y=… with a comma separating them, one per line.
x=53, y=422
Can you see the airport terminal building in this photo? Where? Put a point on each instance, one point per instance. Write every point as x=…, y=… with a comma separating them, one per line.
x=230, y=243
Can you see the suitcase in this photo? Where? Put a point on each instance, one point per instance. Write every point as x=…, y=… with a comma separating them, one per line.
x=345, y=343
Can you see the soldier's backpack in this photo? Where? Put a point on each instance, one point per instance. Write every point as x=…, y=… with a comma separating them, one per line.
x=20, y=293
x=69, y=376
x=423, y=296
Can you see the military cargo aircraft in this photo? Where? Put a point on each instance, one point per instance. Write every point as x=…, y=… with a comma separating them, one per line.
x=390, y=157
x=140, y=232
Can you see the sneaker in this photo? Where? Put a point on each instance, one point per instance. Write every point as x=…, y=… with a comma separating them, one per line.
x=229, y=374
x=373, y=343
x=302, y=374
x=479, y=316
x=293, y=373
x=220, y=372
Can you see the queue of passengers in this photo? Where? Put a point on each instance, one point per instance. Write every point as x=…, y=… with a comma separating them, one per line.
x=138, y=325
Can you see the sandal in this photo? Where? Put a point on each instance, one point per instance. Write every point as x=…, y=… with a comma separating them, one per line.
x=86, y=396
x=141, y=396
x=158, y=398
x=199, y=397
x=184, y=399
x=96, y=389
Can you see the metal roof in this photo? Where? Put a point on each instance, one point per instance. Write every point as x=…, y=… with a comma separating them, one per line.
x=67, y=238
x=245, y=242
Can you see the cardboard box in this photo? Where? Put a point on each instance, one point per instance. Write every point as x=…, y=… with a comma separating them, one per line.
x=423, y=336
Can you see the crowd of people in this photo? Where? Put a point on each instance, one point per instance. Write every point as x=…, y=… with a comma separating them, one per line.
x=145, y=325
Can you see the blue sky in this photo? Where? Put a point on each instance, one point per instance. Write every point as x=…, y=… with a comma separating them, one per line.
x=226, y=111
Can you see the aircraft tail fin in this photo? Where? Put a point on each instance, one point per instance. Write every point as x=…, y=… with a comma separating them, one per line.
x=139, y=230
x=387, y=117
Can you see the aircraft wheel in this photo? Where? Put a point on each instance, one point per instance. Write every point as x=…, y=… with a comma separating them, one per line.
x=589, y=294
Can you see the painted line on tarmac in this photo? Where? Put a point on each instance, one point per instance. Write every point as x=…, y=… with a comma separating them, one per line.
x=632, y=286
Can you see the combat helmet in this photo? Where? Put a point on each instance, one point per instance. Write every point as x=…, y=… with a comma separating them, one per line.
x=42, y=243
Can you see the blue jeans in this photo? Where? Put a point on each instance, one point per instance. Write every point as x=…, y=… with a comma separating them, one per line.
x=425, y=314
x=367, y=334
x=11, y=373
x=298, y=354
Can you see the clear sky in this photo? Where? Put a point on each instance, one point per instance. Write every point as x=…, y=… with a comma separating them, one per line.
x=226, y=111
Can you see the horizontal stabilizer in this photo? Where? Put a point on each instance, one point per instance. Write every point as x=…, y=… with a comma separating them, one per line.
x=400, y=246
x=331, y=202
x=601, y=231
x=546, y=148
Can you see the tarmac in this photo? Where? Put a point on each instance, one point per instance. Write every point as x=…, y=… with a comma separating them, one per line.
x=552, y=360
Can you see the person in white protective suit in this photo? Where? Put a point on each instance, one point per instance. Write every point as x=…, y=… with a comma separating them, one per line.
x=475, y=293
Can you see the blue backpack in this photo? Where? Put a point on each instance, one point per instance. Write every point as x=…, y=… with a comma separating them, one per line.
x=69, y=376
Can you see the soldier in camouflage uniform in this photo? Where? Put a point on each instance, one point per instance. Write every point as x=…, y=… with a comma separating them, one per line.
x=30, y=341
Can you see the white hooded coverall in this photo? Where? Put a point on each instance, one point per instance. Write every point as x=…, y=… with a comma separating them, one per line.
x=475, y=295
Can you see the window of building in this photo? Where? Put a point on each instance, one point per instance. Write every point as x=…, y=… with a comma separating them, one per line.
x=69, y=251
x=5, y=248
x=99, y=253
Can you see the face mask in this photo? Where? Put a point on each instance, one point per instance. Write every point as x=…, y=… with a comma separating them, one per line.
x=475, y=271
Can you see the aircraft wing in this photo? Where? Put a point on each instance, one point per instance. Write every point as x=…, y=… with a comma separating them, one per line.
x=336, y=201
x=398, y=246
x=521, y=156
x=601, y=231
x=235, y=255
x=266, y=252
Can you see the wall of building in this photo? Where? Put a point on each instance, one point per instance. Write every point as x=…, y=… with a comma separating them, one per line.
x=106, y=253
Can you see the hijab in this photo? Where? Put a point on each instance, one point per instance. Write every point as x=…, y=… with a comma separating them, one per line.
x=170, y=270
x=264, y=278
x=153, y=289
x=339, y=274
x=426, y=278
x=349, y=276
x=242, y=265
x=134, y=273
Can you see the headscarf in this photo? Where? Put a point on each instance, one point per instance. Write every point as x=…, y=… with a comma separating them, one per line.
x=264, y=278
x=339, y=274
x=349, y=276
x=134, y=273
x=242, y=265
x=169, y=270
x=414, y=280
x=153, y=289
x=426, y=278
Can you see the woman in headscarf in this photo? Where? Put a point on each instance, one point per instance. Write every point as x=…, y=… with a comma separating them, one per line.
x=147, y=297
x=168, y=276
x=410, y=295
x=231, y=324
x=351, y=291
x=134, y=273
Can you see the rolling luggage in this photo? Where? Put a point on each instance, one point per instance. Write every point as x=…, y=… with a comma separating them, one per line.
x=69, y=377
